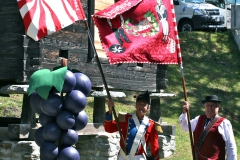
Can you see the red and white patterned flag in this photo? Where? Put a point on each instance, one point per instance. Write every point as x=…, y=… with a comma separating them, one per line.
x=43, y=17
x=139, y=31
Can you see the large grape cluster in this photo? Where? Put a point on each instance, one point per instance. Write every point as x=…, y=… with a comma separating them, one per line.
x=61, y=116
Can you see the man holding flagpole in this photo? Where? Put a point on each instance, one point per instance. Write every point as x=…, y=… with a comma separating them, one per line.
x=138, y=130
x=213, y=134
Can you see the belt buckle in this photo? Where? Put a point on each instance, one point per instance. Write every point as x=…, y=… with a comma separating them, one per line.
x=136, y=142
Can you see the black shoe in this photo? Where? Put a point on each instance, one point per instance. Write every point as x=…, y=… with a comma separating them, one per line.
x=124, y=36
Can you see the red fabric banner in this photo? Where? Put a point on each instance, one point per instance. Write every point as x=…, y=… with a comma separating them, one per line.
x=139, y=31
x=43, y=17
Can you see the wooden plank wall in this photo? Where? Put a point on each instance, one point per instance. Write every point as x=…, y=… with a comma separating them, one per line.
x=11, y=30
x=15, y=47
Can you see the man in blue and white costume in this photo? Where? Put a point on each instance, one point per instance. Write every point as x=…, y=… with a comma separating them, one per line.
x=137, y=129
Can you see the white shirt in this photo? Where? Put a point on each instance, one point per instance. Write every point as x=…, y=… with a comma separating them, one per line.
x=225, y=129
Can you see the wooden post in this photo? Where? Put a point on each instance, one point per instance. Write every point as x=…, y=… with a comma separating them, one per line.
x=99, y=109
x=155, y=110
x=161, y=83
x=23, y=61
x=27, y=115
x=91, y=8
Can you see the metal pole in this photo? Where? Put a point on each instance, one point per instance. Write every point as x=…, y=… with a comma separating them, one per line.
x=188, y=114
x=105, y=84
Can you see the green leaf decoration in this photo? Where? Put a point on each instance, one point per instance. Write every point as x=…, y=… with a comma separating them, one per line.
x=127, y=27
x=148, y=14
x=43, y=80
x=131, y=20
x=151, y=18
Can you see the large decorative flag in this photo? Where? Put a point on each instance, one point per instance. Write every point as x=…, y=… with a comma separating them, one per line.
x=139, y=31
x=43, y=17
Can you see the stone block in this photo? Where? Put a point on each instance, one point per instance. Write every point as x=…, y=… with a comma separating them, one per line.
x=18, y=131
x=104, y=94
x=14, y=89
x=168, y=129
x=19, y=150
x=161, y=95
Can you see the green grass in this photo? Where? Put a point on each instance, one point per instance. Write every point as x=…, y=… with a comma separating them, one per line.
x=211, y=66
x=11, y=106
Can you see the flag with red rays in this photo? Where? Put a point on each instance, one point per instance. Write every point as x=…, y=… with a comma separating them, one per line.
x=43, y=17
x=139, y=31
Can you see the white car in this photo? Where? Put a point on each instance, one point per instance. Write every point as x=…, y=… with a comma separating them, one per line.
x=197, y=14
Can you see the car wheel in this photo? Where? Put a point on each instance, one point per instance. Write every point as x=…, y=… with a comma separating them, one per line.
x=186, y=26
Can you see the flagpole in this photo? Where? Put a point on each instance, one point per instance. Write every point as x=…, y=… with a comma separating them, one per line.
x=105, y=84
x=188, y=113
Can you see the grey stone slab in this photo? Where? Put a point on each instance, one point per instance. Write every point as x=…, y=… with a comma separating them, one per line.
x=104, y=94
x=161, y=95
x=14, y=89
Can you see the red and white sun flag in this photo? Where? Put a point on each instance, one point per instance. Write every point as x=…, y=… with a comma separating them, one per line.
x=43, y=17
x=139, y=31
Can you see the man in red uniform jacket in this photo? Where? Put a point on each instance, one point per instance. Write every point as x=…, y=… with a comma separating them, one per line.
x=219, y=143
x=137, y=130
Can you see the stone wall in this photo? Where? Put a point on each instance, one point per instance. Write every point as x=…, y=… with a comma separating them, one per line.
x=19, y=150
x=91, y=145
x=98, y=147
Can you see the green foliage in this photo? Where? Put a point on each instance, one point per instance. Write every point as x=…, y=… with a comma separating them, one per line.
x=11, y=106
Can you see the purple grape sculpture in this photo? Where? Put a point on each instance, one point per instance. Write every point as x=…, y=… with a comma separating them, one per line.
x=75, y=101
x=68, y=153
x=69, y=82
x=83, y=83
x=81, y=120
x=51, y=132
x=69, y=137
x=65, y=120
x=38, y=137
x=35, y=101
x=45, y=119
x=49, y=150
x=61, y=117
x=52, y=106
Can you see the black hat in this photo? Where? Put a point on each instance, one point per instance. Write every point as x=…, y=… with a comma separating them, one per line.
x=212, y=98
x=144, y=97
